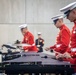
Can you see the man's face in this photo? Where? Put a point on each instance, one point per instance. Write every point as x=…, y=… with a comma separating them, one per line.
x=24, y=31
x=72, y=15
x=39, y=36
x=57, y=24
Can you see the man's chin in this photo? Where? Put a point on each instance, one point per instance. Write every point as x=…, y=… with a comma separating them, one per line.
x=72, y=20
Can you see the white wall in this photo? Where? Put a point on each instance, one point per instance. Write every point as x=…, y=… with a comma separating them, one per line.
x=36, y=13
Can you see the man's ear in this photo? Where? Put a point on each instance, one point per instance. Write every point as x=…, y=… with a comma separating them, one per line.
x=59, y=20
x=74, y=11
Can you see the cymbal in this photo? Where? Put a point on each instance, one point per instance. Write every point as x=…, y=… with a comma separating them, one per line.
x=22, y=45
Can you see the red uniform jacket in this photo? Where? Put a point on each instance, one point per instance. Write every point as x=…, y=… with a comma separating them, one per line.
x=72, y=49
x=73, y=42
x=63, y=40
x=29, y=39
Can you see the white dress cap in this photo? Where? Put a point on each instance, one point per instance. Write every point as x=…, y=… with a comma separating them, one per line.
x=57, y=17
x=23, y=26
x=68, y=8
x=39, y=33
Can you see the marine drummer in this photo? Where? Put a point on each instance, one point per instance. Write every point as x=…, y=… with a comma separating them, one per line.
x=28, y=39
x=63, y=38
x=70, y=13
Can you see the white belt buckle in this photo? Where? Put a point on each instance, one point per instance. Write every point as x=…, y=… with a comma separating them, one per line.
x=73, y=49
x=58, y=45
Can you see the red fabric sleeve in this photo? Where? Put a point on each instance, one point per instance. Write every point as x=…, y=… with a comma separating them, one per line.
x=69, y=50
x=52, y=47
x=65, y=39
x=31, y=42
x=73, y=54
